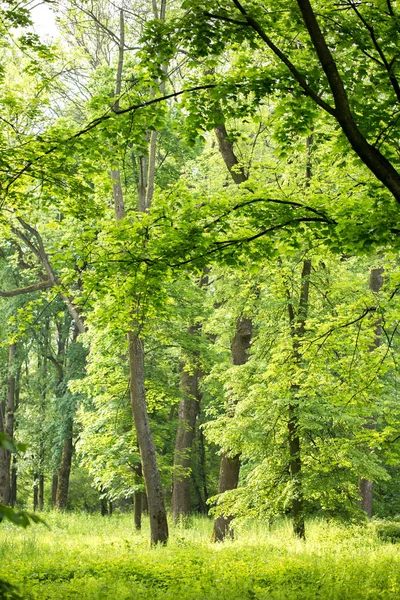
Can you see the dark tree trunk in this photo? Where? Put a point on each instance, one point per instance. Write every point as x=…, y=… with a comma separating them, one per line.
x=41, y=491
x=199, y=476
x=151, y=474
x=54, y=485
x=14, y=478
x=65, y=469
x=230, y=159
x=137, y=510
x=228, y=480
x=103, y=505
x=35, y=491
x=366, y=488
x=188, y=411
x=297, y=325
x=145, y=504
x=230, y=465
x=7, y=427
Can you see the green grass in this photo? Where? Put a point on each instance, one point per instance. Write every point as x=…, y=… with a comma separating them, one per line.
x=93, y=557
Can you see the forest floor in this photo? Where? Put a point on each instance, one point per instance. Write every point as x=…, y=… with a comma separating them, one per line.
x=92, y=557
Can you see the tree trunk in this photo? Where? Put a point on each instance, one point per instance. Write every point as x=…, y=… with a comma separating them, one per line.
x=228, y=480
x=230, y=465
x=297, y=325
x=54, y=485
x=65, y=469
x=188, y=411
x=137, y=510
x=35, y=491
x=366, y=488
x=41, y=491
x=157, y=512
x=145, y=504
x=230, y=159
x=14, y=478
x=199, y=478
x=7, y=427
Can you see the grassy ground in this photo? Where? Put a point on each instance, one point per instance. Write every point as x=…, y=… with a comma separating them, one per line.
x=93, y=557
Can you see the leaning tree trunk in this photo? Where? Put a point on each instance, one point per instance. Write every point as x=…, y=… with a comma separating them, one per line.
x=188, y=411
x=366, y=488
x=151, y=474
x=157, y=512
x=7, y=427
x=230, y=465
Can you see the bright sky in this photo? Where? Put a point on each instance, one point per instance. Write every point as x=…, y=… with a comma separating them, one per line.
x=44, y=21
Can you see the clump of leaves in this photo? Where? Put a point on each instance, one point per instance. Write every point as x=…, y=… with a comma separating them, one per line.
x=388, y=532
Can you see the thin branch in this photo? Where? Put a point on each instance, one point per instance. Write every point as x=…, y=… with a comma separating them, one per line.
x=227, y=19
x=96, y=122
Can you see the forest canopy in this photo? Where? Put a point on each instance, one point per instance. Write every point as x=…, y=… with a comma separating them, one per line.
x=199, y=277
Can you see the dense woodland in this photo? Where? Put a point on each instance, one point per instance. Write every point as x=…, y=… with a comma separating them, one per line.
x=199, y=272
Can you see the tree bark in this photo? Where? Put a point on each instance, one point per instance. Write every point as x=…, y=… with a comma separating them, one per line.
x=41, y=491
x=137, y=510
x=188, y=411
x=54, y=485
x=14, y=480
x=230, y=465
x=151, y=474
x=157, y=512
x=7, y=427
x=297, y=325
x=230, y=159
x=228, y=480
x=366, y=488
x=65, y=468
x=35, y=491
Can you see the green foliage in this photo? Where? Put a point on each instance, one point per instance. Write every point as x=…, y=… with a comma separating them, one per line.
x=97, y=557
x=388, y=532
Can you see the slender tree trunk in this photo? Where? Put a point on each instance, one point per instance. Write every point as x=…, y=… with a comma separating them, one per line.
x=14, y=479
x=65, y=468
x=137, y=510
x=366, y=488
x=54, y=485
x=157, y=512
x=35, y=491
x=7, y=427
x=297, y=324
x=188, y=411
x=199, y=477
x=41, y=491
x=230, y=465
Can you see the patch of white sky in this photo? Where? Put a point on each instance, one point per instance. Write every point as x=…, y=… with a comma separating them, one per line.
x=44, y=20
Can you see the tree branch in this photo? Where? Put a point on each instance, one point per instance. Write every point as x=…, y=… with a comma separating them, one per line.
x=96, y=122
x=297, y=75
x=29, y=289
